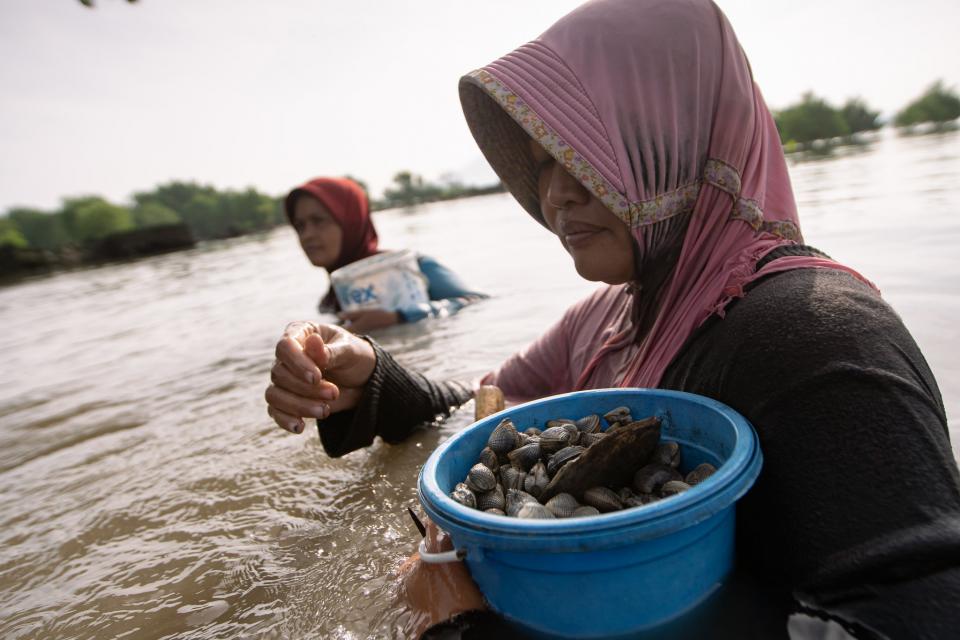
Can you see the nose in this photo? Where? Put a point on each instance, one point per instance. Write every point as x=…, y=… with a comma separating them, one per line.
x=564, y=190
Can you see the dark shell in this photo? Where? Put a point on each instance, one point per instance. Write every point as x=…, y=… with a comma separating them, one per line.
x=639, y=500
x=509, y=477
x=562, y=505
x=667, y=453
x=554, y=439
x=491, y=500
x=532, y=431
x=516, y=499
x=673, y=487
x=602, y=498
x=585, y=511
x=488, y=458
x=700, y=473
x=537, y=479
x=650, y=478
x=589, y=424
x=590, y=439
x=526, y=456
x=522, y=439
x=562, y=457
x=462, y=494
x=504, y=438
x=559, y=422
x=534, y=511
x=618, y=415
x=625, y=493
x=480, y=478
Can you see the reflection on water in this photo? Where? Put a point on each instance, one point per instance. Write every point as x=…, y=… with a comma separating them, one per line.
x=144, y=493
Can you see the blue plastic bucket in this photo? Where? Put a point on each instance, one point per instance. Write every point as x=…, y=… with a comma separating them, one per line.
x=614, y=574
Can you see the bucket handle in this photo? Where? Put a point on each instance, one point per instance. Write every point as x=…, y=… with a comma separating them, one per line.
x=443, y=557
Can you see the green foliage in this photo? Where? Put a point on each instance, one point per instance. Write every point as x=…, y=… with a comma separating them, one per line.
x=96, y=219
x=411, y=189
x=10, y=235
x=40, y=229
x=859, y=117
x=938, y=104
x=812, y=119
x=153, y=214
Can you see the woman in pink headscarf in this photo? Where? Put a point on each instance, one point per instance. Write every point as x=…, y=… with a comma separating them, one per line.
x=633, y=130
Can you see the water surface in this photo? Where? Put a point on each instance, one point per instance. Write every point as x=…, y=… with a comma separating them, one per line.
x=145, y=494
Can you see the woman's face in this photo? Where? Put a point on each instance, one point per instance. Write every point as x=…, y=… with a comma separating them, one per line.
x=320, y=234
x=600, y=244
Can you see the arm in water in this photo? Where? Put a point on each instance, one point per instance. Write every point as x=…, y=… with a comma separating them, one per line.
x=448, y=294
x=356, y=389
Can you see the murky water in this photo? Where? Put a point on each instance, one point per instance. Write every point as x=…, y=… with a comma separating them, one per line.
x=145, y=494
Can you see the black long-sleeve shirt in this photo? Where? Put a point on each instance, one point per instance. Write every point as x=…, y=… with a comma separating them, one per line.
x=857, y=508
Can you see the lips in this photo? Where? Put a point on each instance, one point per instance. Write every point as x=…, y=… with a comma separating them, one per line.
x=575, y=233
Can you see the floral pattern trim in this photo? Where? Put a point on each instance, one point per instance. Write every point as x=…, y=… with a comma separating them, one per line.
x=722, y=176
x=635, y=214
x=783, y=228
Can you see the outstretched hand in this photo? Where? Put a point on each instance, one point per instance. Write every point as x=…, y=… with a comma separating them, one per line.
x=320, y=369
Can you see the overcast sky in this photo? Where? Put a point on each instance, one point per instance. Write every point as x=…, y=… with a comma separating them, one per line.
x=267, y=93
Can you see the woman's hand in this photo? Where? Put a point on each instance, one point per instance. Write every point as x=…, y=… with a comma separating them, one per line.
x=320, y=370
x=364, y=320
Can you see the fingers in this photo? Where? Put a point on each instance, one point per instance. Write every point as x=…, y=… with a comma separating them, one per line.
x=290, y=352
x=292, y=424
x=292, y=405
x=281, y=376
x=347, y=359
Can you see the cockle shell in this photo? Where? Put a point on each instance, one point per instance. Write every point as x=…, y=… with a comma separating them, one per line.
x=562, y=457
x=526, y=456
x=590, y=439
x=673, y=487
x=509, y=477
x=618, y=415
x=534, y=511
x=516, y=499
x=562, y=505
x=589, y=424
x=480, y=478
x=504, y=438
x=667, y=453
x=488, y=457
x=462, y=494
x=602, y=498
x=554, y=439
x=651, y=477
x=584, y=511
x=491, y=499
x=700, y=473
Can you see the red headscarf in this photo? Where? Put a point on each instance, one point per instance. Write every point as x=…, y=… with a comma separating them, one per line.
x=348, y=205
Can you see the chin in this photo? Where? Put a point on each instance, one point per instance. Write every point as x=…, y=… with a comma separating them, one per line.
x=595, y=274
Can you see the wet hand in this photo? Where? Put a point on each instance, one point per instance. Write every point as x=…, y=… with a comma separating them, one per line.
x=320, y=369
x=364, y=320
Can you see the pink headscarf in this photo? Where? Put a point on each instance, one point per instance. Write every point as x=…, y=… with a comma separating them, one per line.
x=651, y=105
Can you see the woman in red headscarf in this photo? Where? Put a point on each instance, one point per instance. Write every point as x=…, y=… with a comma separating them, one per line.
x=332, y=219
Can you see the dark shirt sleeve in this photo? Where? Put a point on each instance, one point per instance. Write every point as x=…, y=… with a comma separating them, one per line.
x=394, y=402
x=448, y=294
x=857, y=508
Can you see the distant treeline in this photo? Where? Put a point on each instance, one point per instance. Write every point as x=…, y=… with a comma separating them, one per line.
x=815, y=119
x=83, y=222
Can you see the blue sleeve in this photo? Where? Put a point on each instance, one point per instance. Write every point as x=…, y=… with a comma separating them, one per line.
x=447, y=293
